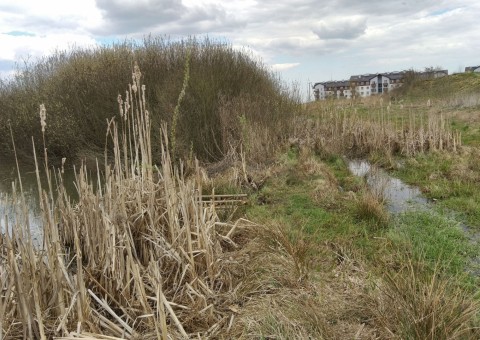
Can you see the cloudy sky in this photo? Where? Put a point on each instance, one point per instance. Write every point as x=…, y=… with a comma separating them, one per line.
x=304, y=40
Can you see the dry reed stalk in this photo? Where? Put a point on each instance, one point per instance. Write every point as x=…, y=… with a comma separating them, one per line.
x=139, y=255
x=343, y=130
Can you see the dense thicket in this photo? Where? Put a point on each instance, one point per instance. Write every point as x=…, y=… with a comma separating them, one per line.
x=227, y=89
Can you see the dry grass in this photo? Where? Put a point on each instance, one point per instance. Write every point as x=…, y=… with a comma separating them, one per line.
x=140, y=257
x=415, y=303
x=388, y=129
x=281, y=304
x=370, y=207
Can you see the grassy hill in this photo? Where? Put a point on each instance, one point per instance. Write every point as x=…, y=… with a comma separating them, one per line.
x=459, y=90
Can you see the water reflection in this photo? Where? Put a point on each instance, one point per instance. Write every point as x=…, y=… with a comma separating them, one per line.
x=24, y=210
x=400, y=196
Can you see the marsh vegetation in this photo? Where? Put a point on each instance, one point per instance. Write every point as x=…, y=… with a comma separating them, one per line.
x=142, y=251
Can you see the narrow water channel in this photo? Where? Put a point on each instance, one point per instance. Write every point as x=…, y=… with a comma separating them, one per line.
x=401, y=197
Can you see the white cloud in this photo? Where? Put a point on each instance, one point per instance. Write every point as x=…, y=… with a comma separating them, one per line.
x=16, y=48
x=284, y=66
x=343, y=28
x=327, y=40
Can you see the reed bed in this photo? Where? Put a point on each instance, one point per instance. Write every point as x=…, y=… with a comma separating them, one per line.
x=138, y=256
x=383, y=129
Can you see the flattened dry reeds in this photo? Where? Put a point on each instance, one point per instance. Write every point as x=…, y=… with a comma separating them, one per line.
x=140, y=256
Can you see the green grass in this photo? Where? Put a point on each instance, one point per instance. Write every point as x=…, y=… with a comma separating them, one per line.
x=431, y=236
x=467, y=121
x=454, y=90
x=435, y=239
x=451, y=180
x=290, y=200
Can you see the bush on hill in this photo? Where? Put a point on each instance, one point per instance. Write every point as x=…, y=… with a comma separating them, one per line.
x=227, y=90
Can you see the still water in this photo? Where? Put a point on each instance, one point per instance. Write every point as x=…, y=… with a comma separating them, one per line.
x=400, y=196
x=24, y=210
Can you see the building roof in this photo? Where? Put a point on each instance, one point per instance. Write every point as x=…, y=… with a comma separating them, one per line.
x=471, y=68
x=338, y=83
x=368, y=77
x=334, y=83
x=363, y=77
x=394, y=75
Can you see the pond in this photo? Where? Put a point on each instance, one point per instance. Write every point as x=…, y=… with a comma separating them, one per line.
x=18, y=209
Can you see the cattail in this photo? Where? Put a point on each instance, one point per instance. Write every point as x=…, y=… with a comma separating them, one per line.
x=43, y=117
x=143, y=96
x=63, y=163
x=136, y=75
x=127, y=104
x=120, y=103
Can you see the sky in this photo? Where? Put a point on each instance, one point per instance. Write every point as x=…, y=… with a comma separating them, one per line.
x=305, y=41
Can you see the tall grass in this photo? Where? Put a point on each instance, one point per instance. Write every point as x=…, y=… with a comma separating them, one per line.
x=140, y=256
x=76, y=82
x=379, y=128
x=417, y=303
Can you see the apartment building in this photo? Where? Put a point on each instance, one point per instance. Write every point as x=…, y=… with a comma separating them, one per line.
x=332, y=89
x=366, y=85
x=475, y=69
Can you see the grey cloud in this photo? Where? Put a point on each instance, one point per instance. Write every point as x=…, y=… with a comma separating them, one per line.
x=135, y=16
x=163, y=16
x=298, y=46
x=337, y=25
x=387, y=7
x=38, y=24
x=207, y=19
x=341, y=29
